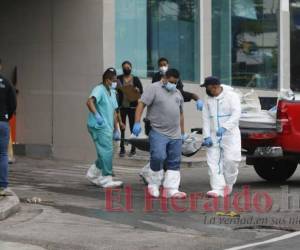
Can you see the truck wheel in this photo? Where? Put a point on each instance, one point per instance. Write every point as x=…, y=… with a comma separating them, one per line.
x=275, y=170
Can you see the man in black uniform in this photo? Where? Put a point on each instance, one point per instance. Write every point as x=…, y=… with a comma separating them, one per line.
x=163, y=65
x=8, y=104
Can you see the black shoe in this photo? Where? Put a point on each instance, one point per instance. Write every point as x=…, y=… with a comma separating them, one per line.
x=131, y=154
x=122, y=153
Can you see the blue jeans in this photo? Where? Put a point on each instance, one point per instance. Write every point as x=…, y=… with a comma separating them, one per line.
x=164, y=150
x=4, y=140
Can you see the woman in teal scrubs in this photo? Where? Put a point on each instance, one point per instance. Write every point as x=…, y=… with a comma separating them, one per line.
x=103, y=127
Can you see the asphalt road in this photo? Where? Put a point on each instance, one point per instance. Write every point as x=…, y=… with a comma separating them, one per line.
x=73, y=214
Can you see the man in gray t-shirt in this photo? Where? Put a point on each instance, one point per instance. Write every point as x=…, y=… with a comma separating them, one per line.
x=164, y=109
x=165, y=112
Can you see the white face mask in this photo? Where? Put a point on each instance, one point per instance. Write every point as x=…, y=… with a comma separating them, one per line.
x=163, y=69
x=114, y=85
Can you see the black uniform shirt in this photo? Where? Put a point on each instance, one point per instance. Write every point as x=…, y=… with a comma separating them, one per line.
x=8, y=102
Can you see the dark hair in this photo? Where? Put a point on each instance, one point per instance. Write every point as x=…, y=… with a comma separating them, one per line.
x=162, y=59
x=0, y=61
x=109, y=74
x=172, y=73
x=126, y=62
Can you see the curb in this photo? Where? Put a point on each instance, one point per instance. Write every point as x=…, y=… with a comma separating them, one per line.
x=9, y=205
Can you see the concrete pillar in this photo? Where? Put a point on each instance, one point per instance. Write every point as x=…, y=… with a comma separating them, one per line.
x=108, y=33
x=205, y=39
x=284, y=44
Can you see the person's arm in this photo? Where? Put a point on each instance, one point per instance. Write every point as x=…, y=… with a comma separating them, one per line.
x=206, y=121
x=91, y=105
x=119, y=118
x=182, y=123
x=139, y=111
x=11, y=101
x=139, y=85
x=234, y=119
x=187, y=96
x=116, y=121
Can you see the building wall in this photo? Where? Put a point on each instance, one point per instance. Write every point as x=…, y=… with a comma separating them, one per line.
x=77, y=66
x=57, y=48
x=26, y=43
x=60, y=48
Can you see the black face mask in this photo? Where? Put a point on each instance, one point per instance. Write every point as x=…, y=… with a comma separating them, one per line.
x=127, y=72
x=209, y=93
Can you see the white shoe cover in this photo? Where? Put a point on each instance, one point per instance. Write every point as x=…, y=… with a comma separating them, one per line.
x=145, y=173
x=153, y=190
x=228, y=190
x=93, y=175
x=215, y=193
x=171, y=185
x=154, y=182
x=108, y=182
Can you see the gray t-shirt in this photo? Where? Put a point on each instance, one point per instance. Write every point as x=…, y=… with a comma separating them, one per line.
x=163, y=109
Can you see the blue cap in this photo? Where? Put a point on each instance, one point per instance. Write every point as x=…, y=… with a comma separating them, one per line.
x=211, y=80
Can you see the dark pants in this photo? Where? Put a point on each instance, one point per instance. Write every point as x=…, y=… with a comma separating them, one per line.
x=4, y=140
x=130, y=112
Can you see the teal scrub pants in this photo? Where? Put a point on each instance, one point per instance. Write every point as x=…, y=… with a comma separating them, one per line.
x=103, y=140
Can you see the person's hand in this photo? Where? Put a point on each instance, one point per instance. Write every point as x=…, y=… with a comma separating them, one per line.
x=137, y=129
x=199, y=104
x=207, y=142
x=122, y=126
x=99, y=119
x=184, y=136
x=117, y=135
x=221, y=132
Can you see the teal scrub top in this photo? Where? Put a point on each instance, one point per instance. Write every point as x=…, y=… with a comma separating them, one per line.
x=106, y=104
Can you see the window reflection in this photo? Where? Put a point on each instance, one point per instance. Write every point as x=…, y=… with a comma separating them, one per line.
x=295, y=45
x=245, y=51
x=173, y=32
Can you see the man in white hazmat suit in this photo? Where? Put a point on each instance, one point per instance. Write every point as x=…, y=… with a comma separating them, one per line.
x=222, y=137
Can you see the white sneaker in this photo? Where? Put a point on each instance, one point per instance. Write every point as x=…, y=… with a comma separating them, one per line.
x=108, y=182
x=93, y=175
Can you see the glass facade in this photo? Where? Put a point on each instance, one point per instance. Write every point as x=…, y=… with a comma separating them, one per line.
x=245, y=42
x=295, y=44
x=149, y=29
x=131, y=34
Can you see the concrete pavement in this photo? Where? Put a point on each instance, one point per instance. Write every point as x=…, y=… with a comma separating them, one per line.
x=9, y=205
x=73, y=214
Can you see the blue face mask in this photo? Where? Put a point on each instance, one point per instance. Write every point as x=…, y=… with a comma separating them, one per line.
x=171, y=87
x=114, y=85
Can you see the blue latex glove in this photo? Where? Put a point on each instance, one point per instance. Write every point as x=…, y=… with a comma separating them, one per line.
x=199, y=105
x=137, y=129
x=184, y=136
x=117, y=135
x=99, y=119
x=221, y=132
x=207, y=142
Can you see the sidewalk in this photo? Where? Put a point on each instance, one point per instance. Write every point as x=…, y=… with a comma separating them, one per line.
x=13, y=246
x=9, y=205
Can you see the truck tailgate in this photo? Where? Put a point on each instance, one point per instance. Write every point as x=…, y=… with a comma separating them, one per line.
x=288, y=125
